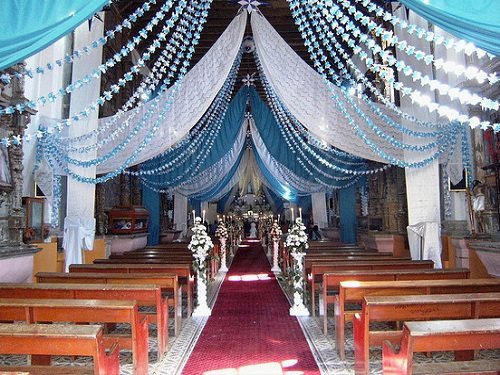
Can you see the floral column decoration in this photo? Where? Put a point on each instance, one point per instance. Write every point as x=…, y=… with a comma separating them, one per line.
x=276, y=237
x=230, y=233
x=296, y=242
x=221, y=234
x=201, y=245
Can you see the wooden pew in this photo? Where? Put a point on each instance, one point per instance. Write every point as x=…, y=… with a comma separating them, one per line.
x=421, y=307
x=355, y=291
x=144, y=295
x=58, y=339
x=444, y=335
x=325, y=244
x=167, y=282
x=86, y=311
x=144, y=255
x=350, y=260
x=183, y=272
x=332, y=280
x=318, y=269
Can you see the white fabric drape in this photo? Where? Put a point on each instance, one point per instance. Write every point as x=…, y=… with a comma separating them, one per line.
x=425, y=242
x=306, y=94
x=197, y=91
x=207, y=179
x=79, y=235
x=279, y=171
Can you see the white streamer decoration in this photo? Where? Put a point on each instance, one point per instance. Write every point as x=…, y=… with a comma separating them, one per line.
x=199, y=88
x=306, y=95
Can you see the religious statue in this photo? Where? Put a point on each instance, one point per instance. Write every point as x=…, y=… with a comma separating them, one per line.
x=253, y=230
x=478, y=203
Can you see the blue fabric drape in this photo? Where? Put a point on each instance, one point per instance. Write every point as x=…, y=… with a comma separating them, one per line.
x=220, y=184
x=475, y=21
x=223, y=142
x=29, y=26
x=196, y=205
x=269, y=130
x=226, y=200
x=151, y=201
x=285, y=192
x=347, y=208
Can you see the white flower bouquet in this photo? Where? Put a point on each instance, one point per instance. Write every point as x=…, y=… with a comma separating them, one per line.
x=276, y=231
x=296, y=239
x=200, y=245
x=221, y=231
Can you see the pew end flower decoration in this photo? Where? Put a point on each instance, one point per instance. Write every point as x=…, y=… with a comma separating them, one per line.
x=296, y=240
x=221, y=232
x=276, y=231
x=201, y=245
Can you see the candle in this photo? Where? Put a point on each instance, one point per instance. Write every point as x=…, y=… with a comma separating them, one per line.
x=278, y=218
x=194, y=215
x=300, y=213
x=203, y=216
x=292, y=215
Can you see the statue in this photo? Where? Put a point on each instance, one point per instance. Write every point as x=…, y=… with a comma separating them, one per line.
x=478, y=203
x=253, y=230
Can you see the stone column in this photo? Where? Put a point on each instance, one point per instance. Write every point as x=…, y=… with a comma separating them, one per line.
x=422, y=184
x=319, y=210
x=180, y=213
x=276, y=248
x=223, y=266
x=81, y=196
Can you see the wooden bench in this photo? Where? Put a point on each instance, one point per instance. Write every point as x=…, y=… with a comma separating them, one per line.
x=421, y=307
x=183, y=272
x=86, y=311
x=144, y=295
x=360, y=261
x=45, y=340
x=334, y=245
x=356, y=291
x=167, y=282
x=317, y=270
x=444, y=335
x=332, y=280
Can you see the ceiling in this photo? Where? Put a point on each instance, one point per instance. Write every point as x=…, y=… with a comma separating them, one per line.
x=221, y=13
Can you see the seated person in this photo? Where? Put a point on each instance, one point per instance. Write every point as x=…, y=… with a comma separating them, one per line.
x=315, y=235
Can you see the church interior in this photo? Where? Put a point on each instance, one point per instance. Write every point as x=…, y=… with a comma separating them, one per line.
x=226, y=187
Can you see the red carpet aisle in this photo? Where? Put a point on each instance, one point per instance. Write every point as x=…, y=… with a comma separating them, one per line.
x=250, y=330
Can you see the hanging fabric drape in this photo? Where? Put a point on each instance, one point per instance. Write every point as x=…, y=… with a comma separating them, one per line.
x=216, y=180
x=169, y=116
x=29, y=26
x=271, y=134
x=305, y=185
x=186, y=172
x=343, y=120
x=151, y=201
x=197, y=91
x=471, y=20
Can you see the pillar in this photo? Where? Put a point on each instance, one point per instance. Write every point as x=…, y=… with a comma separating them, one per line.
x=180, y=213
x=422, y=184
x=347, y=214
x=81, y=196
x=319, y=210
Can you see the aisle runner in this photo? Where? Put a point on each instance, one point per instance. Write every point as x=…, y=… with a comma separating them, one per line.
x=250, y=330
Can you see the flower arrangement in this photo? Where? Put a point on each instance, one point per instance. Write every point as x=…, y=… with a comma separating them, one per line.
x=200, y=245
x=296, y=240
x=221, y=231
x=276, y=231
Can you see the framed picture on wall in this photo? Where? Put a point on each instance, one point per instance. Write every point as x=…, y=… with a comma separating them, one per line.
x=5, y=171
